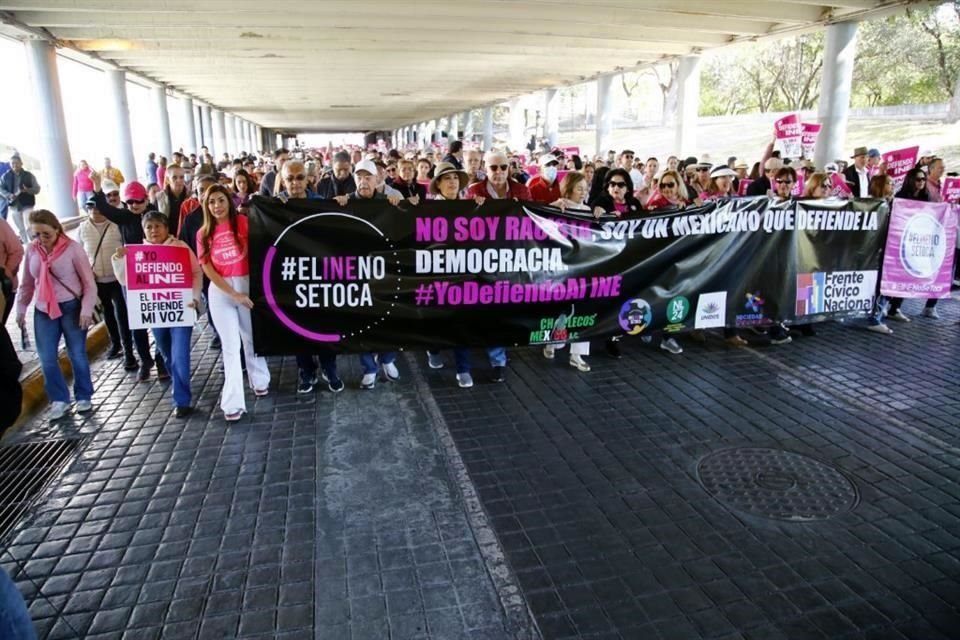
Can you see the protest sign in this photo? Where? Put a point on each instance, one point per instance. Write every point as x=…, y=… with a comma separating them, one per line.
x=788, y=136
x=898, y=163
x=918, y=259
x=371, y=276
x=810, y=131
x=951, y=190
x=159, y=286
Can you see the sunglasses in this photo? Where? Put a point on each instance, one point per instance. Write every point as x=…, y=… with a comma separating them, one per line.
x=920, y=179
x=667, y=185
x=618, y=185
x=782, y=181
x=132, y=202
x=499, y=167
x=297, y=177
x=702, y=169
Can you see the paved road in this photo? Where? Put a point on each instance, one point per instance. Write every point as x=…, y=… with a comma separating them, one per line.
x=803, y=491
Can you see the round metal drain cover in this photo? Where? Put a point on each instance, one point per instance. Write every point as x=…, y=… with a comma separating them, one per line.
x=777, y=484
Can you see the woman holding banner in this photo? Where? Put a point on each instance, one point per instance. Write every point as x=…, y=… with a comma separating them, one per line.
x=914, y=188
x=173, y=342
x=59, y=272
x=617, y=197
x=222, y=245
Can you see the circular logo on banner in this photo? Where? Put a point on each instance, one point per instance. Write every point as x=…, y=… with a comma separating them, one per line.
x=922, y=247
x=327, y=297
x=635, y=316
x=677, y=310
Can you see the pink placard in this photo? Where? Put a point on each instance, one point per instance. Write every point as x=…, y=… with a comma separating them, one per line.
x=743, y=185
x=788, y=136
x=570, y=151
x=899, y=163
x=918, y=259
x=810, y=131
x=839, y=187
x=951, y=190
x=159, y=286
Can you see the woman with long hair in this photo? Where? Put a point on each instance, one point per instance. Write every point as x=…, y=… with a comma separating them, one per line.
x=670, y=192
x=222, y=244
x=57, y=276
x=243, y=188
x=817, y=186
x=617, y=197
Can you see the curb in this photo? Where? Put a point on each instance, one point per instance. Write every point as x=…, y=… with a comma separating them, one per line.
x=34, y=396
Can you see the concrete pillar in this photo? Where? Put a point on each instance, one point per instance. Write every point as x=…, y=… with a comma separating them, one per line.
x=454, y=130
x=251, y=138
x=122, y=150
x=487, y=128
x=517, y=133
x=835, y=88
x=164, y=142
x=238, y=133
x=190, y=132
x=604, y=127
x=259, y=139
x=52, y=129
x=466, y=123
x=219, y=134
x=197, y=131
x=551, y=116
x=231, y=132
x=279, y=140
x=688, y=106
x=208, y=130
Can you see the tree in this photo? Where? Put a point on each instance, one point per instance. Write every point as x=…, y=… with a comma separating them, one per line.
x=666, y=78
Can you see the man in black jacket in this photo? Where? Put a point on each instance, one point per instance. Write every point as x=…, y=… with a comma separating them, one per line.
x=455, y=154
x=856, y=174
x=340, y=182
x=19, y=188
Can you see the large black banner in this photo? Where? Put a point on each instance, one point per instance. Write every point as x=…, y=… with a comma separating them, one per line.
x=371, y=276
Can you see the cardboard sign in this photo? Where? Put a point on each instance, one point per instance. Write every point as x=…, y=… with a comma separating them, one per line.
x=159, y=286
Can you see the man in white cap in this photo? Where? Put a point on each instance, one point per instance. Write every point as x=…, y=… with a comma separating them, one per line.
x=544, y=188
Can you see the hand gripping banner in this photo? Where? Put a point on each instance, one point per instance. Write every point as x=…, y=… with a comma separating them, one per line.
x=371, y=276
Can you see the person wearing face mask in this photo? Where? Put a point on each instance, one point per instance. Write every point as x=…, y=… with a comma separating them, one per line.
x=57, y=276
x=544, y=188
x=173, y=342
x=129, y=221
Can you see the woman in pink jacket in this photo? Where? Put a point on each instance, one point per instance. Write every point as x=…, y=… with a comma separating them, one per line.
x=82, y=189
x=57, y=272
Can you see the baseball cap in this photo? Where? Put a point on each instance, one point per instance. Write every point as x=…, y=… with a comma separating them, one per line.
x=366, y=165
x=134, y=191
x=831, y=167
x=873, y=153
x=109, y=186
x=546, y=159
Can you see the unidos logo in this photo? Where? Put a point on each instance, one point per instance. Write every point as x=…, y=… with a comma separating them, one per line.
x=711, y=310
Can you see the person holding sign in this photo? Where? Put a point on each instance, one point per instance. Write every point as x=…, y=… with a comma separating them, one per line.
x=58, y=271
x=222, y=246
x=172, y=341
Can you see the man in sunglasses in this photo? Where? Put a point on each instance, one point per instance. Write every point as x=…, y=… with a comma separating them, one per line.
x=128, y=220
x=498, y=184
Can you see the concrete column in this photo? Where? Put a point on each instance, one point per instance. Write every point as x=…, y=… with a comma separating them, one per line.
x=251, y=138
x=238, y=133
x=487, y=128
x=466, y=123
x=551, y=116
x=260, y=139
x=52, y=130
x=517, y=134
x=208, y=130
x=219, y=134
x=835, y=88
x=122, y=151
x=231, y=132
x=688, y=106
x=165, y=143
x=454, y=130
x=197, y=131
x=604, y=127
x=279, y=140
x=190, y=131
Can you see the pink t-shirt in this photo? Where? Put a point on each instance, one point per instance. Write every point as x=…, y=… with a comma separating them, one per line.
x=228, y=258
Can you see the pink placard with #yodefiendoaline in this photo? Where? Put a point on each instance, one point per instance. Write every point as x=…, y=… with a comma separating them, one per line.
x=899, y=163
x=159, y=286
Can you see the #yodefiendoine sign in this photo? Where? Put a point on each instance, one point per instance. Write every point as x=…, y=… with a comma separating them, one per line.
x=918, y=260
x=159, y=286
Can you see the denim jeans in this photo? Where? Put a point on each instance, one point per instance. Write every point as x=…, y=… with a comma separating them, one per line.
x=174, y=345
x=47, y=332
x=15, y=622
x=368, y=363
x=308, y=366
x=461, y=356
x=497, y=356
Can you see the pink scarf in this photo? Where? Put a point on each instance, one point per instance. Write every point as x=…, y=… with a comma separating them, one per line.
x=45, y=290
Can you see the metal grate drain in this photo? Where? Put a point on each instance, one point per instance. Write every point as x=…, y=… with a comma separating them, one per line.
x=777, y=484
x=26, y=469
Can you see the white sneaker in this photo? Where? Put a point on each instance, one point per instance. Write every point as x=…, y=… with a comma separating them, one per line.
x=434, y=360
x=880, y=328
x=898, y=316
x=548, y=351
x=368, y=381
x=671, y=345
x=391, y=372
x=58, y=410
x=577, y=362
x=464, y=380
x=84, y=406
x=931, y=312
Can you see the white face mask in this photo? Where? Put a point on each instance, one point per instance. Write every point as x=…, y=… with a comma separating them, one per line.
x=549, y=174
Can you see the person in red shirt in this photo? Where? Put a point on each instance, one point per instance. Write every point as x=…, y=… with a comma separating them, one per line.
x=544, y=188
x=498, y=184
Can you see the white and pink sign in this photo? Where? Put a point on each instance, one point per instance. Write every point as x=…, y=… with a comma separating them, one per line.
x=918, y=259
x=951, y=190
x=810, y=131
x=898, y=163
x=159, y=286
x=789, y=136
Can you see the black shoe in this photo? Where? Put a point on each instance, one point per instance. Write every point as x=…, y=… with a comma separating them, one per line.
x=144, y=374
x=613, y=349
x=499, y=374
x=307, y=382
x=183, y=412
x=114, y=353
x=215, y=343
x=130, y=363
x=162, y=373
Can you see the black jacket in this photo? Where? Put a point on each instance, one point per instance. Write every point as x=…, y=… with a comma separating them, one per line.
x=452, y=159
x=410, y=190
x=759, y=187
x=131, y=228
x=853, y=179
x=605, y=201
x=329, y=187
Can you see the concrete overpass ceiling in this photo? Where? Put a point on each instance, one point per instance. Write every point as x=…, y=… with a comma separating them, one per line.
x=348, y=65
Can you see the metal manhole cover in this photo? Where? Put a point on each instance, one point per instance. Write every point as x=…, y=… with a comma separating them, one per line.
x=777, y=484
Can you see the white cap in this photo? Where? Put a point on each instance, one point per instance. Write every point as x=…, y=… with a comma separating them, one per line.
x=831, y=167
x=926, y=154
x=366, y=165
x=108, y=186
x=721, y=171
x=547, y=158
